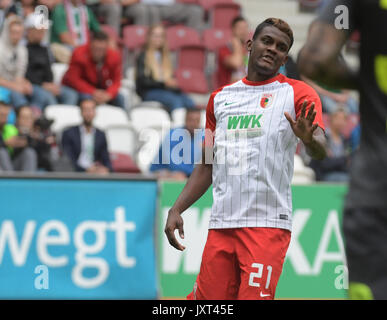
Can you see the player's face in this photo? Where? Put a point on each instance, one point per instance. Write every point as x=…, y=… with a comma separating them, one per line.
x=268, y=51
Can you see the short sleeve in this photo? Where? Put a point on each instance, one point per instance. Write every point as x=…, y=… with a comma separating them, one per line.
x=210, y=122
x=302, y=92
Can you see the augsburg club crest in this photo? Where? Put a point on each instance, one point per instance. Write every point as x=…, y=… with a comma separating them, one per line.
x=266, y=100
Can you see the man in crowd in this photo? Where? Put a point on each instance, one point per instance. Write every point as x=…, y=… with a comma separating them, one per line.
x=178, y=166
x=232, y=59
x=85, y=145
x=95, y=72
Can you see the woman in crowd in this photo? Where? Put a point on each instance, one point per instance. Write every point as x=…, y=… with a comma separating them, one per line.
x=155, y=79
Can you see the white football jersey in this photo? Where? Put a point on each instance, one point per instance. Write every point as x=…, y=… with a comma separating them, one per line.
x=254, y=149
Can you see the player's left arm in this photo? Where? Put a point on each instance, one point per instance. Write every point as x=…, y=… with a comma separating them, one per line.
x=308, y=130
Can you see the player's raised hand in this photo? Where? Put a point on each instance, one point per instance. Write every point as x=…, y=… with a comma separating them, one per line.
x=174, y=221
x=303, y=127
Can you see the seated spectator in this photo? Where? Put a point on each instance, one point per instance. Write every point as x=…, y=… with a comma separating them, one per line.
x=334, y=167
x=151, y=12
x=333, y=99
x=25, y=7
x=38, y=134
x=110, y=11
x=233, y=58
x=71, y=23
x=155, y=79
x=39, y=70
x=354, y=139
x=85, y=145
x=95, y=72
x=178, y=166
x=15, y=152
x=7, y=8
x=13, y=66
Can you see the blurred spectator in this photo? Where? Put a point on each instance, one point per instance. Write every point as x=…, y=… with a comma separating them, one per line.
x=15, y=151
x=233, y=58
x=13, y=66
x=110, y=11
x=151, y=12
x=7, y=8
x=25, y=7
x=38, y=134
x=290, y=69
x=355, y=138
x=85, y=145
x=39, y=70
x=334, y=167
x=95, y=72
x=71, y=23
x=333, y=99
x=178, y=166
x=155, y=79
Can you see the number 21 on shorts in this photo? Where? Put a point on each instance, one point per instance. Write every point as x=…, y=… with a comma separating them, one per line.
x=259, y=274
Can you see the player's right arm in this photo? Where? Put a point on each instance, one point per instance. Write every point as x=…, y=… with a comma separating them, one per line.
x=197, y=184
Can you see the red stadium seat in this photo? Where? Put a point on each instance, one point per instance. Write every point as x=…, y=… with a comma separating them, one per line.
x=216, y=38
x=134, y=36
x=192, y=81
x=192, y=56
x=208, y=4
x=123, y=163
x=112, y=33
x=221, y=15
x=179, y=35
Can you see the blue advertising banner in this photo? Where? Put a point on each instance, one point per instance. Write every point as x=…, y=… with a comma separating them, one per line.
x=77, y=239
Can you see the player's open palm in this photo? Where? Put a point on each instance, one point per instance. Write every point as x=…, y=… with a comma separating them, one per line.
x=303, y=127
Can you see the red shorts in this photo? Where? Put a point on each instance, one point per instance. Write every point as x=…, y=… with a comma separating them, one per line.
x=241, y=263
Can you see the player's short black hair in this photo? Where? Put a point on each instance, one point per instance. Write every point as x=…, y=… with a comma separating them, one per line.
x=277, y=23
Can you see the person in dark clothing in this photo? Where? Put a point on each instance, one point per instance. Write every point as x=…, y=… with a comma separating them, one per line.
x=39, y=70
x=365, y=210
x=334, y=168
x=85, y=145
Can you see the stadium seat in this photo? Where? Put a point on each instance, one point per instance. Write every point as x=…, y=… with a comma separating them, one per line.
x=123, y=163
x=150, y=140
x=144, y=117
x=221, y=15
x=208, y=4
x=107, y=115
x=179, y=35
x=192, y=56
x=134, y=37
x=122, y=139
x=192, y=80
x=58, y=71
x=178, y=117
x=63, y=115
x=112, y=33
x=302, y=174
x=216, y=38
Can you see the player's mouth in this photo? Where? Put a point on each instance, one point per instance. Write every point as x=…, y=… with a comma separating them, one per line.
x=268, y=58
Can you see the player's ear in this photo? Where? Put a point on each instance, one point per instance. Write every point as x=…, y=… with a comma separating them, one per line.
x=285, y=60
x=249, y=45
